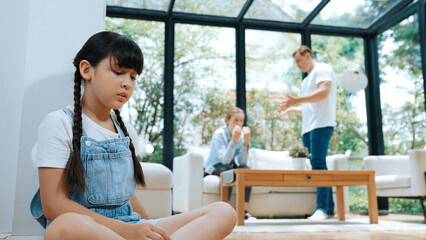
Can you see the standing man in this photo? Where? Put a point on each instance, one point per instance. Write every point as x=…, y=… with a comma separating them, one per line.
x=318, y=113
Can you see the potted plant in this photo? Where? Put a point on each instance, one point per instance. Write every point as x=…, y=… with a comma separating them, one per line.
x=299, y=155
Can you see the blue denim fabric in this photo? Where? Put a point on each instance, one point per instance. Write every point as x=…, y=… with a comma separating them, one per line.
x=317, y=142
x=109, y=180
x=219, y=167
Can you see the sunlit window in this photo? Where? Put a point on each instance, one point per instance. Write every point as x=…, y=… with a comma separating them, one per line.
x=145, y=109
x=281, y=10
x=161, y=5
x=205, y=82
x=401, y=87
x=271, y=73
x=230, y=8
x=354, y=13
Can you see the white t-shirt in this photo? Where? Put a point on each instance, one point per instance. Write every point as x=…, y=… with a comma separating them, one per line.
x=323, y=113
x=53, y=145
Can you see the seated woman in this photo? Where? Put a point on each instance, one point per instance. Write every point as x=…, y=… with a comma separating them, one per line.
x=229, y=149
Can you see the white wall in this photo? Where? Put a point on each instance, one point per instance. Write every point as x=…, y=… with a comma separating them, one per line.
x=13, y=39
x=41, y=38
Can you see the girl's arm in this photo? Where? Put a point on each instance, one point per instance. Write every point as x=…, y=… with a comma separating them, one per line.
x=138, y=207
x=55, y=201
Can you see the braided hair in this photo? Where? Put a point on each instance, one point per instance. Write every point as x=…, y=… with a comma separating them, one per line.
x=125, y=53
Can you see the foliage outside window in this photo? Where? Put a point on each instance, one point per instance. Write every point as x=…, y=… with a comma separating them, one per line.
x=271, y=73
x=145, y=108
x=401, y=88
x=204, y=88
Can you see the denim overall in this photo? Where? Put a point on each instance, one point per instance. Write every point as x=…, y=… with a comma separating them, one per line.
x=109, y=179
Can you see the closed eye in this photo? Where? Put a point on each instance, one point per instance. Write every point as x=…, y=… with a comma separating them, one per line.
x=118, y=73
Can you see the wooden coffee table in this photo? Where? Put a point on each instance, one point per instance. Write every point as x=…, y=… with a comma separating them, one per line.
x=293, y=178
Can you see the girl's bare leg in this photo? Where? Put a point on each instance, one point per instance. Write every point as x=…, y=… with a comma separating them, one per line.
x=76, y=226
x=213, y=221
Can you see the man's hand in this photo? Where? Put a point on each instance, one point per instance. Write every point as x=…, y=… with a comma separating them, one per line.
x=287, y=101
x=285, y=114
x=246, y=133
x=236, y=134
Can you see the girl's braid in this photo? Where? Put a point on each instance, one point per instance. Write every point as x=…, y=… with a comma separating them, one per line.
x=138, y=173
x=75, y=170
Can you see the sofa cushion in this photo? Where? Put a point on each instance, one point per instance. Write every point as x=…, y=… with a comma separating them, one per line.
x=269, y=160
x=211, y=184
x=204, y=151
x=392, y=181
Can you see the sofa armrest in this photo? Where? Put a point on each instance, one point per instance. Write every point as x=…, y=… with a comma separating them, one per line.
x=337, y=162
x=188, y=182
x=387, y=165
x=157, y=176
x=156, y=196
x=417, y=160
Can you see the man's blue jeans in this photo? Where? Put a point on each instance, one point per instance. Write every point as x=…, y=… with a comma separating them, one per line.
x=317, y=142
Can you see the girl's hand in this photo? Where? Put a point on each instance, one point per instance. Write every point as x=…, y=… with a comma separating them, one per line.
x=236, y=134
x=145, y=231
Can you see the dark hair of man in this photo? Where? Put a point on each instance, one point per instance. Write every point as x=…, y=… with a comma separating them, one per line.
x=303, y=50
x=123, y=52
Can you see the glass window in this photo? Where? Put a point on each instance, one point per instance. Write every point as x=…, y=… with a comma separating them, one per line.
x=161, y=5
x=204, y=87
x=401, y=87
x=350, y=134
x=145, y=109
x=230, y=8
x=355, y=13
x=271, y=73
x=281, y=10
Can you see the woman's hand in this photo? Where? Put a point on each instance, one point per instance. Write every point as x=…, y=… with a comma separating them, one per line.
x=246, y=133
x=145, y=231
x=236, y=134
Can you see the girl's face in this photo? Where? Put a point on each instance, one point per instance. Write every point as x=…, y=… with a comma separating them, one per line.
x=110, y=86
x=237, y=119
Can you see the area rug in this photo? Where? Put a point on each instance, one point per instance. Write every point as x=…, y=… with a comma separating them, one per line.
x=329, y=225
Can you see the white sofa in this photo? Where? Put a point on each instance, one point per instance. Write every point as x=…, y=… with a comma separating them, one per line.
x=156, y=196
x=192, y=190
x=400, y=176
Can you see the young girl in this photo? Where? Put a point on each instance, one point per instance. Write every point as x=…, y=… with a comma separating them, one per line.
x=87, y=163
x=229, y=149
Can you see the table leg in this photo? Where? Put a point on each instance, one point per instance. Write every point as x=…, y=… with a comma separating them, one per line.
x=340, y=203
x=223, y=190
x=373, y=211
x=240, y=199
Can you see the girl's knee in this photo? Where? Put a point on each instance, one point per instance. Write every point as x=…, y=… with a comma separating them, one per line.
x=228, y=216
x=225, y=210
x=69, y=226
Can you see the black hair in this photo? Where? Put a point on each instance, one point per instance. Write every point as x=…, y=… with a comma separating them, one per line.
x=122, y=52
